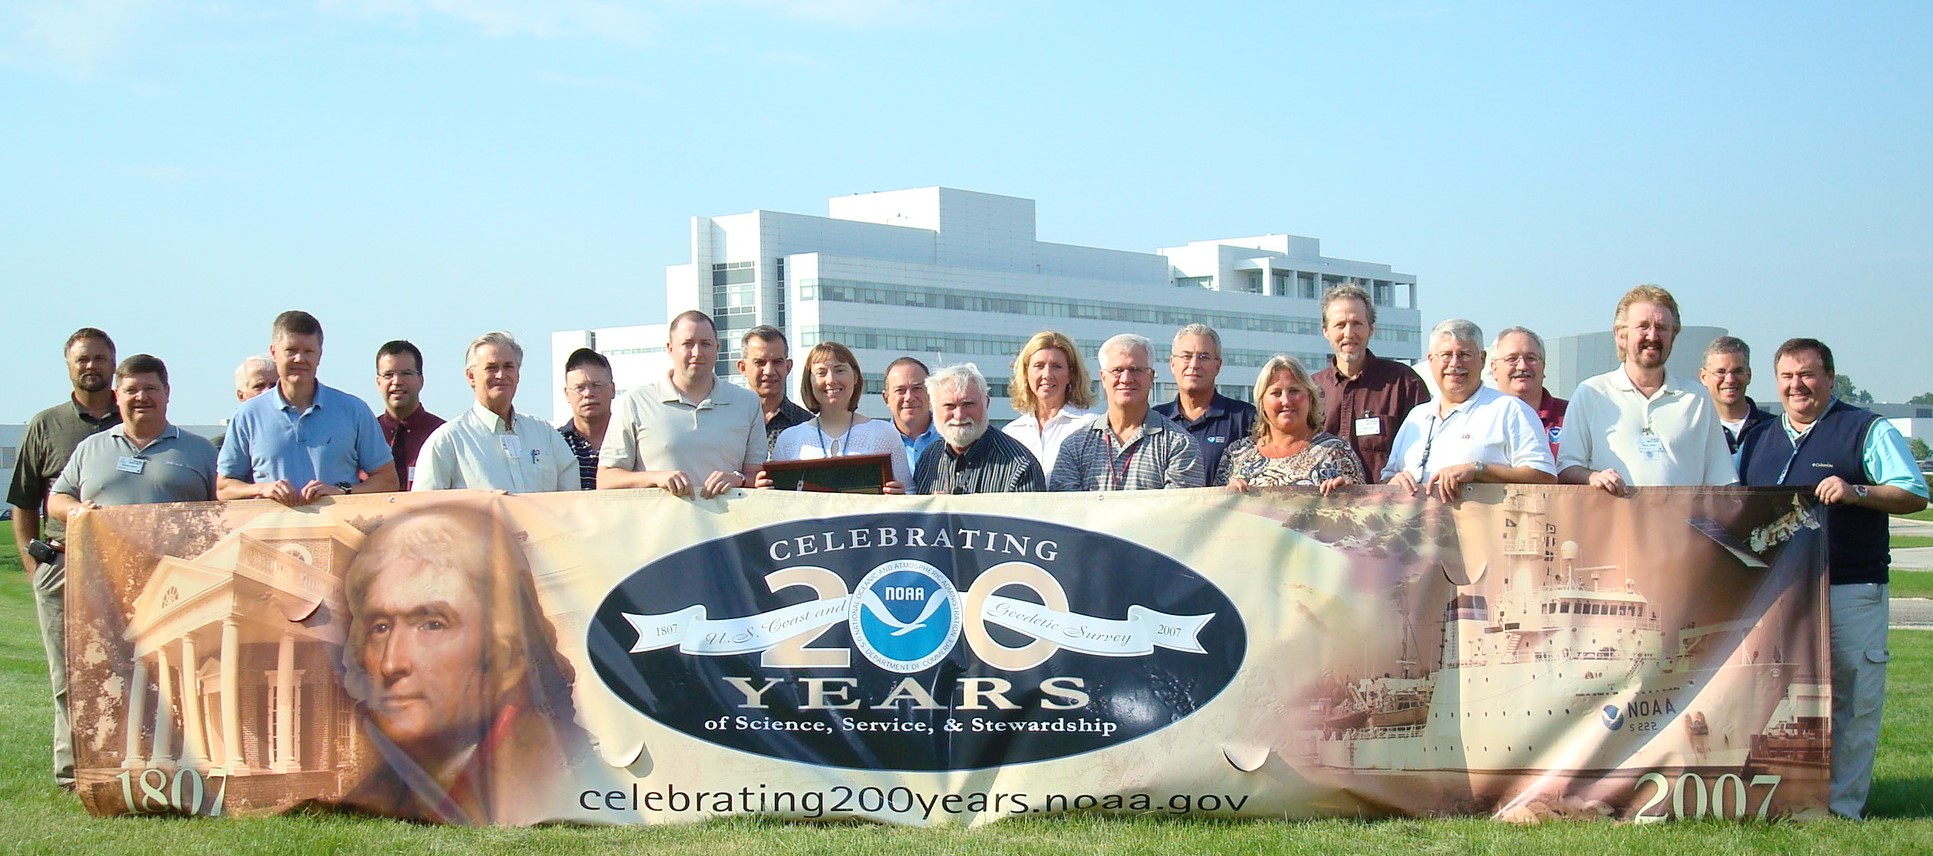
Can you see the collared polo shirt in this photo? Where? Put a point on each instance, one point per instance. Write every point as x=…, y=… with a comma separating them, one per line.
x=995, y=463
x=1551, y=413
x=1162, y=455
x=1670, y=438
x=585, y=452
x=1044, y=441
x=480, y=450
x=1220, y=426
x=106, y=469
x=653, y=427
x=1366, y=410
x=1735, y=438
x=1489, y=426
x=406, y=438
x=335, y=440
x=45, y=448
x=917, y=446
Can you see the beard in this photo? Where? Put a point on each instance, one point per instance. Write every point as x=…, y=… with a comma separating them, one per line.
x=961, y=436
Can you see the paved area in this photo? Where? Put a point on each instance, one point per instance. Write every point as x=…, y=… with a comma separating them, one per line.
x=1913, y=558
x=1912, y=612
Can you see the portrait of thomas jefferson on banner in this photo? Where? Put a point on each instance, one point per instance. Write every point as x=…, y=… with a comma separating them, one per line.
x=461, y=691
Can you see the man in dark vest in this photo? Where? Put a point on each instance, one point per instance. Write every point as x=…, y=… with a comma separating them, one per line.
x=1858, y=466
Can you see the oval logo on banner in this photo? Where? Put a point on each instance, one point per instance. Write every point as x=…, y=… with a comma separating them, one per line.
x=917, y=642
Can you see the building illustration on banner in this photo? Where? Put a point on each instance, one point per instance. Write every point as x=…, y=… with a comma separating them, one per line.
x=235, y=691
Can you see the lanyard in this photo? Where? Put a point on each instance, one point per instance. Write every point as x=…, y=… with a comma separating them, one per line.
x=1118, y=478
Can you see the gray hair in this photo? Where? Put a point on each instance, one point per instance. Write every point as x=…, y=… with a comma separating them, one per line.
x=1202, y=330
x=1347, y=291
x=1497, y=346
x=1125, y=343
x=245, y=373
x=495, y=337
x=965, y=376
x=1730, y=345
x=1459, y=329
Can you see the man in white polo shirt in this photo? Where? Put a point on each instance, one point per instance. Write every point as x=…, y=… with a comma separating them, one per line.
x=1469, y=432
x=491, y=446
x=1637, y=424
x=685, y=432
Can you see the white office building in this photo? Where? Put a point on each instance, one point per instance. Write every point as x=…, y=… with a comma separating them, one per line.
x=953, y=276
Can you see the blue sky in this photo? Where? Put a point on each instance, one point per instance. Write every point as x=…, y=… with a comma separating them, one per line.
x=178, y=171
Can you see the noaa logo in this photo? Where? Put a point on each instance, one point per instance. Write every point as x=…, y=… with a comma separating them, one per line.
x=1613, y=717
x=906, y=616
x=1556, y=434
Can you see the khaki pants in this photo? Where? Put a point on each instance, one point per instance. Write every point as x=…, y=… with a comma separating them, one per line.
x=1860, y=614
x=50, y=589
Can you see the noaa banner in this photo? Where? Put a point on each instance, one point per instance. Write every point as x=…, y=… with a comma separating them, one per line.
x=626, y=657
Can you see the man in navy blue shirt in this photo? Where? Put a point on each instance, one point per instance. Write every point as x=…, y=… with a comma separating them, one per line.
x=1215, y=420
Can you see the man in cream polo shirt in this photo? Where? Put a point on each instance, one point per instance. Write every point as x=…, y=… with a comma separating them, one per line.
x=1638, y=425
x=491, y=446
x=685, y=432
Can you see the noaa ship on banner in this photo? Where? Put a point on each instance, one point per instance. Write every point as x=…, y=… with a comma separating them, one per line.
x=1566, y=668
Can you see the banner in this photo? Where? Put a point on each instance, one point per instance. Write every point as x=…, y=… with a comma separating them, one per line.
x=628, y=656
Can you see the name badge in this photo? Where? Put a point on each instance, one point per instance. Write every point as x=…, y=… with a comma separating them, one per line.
x=1651, y=449
x=130, y=465
x=1369, y=426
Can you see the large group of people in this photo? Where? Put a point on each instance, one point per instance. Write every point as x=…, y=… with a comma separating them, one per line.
x=1360, y=419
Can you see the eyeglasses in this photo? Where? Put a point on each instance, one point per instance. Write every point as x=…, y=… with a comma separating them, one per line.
x=1521, y=360
x=1455, y=356
x=1196, y=357
x=1121, y=372
x=1732, y=372
x=404, y=374
x=588, y=388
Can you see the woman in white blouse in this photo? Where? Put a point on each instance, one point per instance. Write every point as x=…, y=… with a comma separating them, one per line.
x=830, y=387
x=1050, y=390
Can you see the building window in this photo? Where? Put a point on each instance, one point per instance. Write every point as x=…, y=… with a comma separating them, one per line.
x=1195, y=281
x=1253, y=282
x=1306, y=285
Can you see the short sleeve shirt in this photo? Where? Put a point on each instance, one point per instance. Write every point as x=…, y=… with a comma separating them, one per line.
x=45, y=448
x=1670, y=438
x=106, y=469
x=480, y=450
x=1489, y=426
x=1162, y=455
x=654, y=428
x=1225, y=422
x=335, y=440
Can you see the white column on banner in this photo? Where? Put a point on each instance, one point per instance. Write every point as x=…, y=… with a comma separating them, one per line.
x=284, y=705
x=137, y=711
x=194, y=746
x=163, y=712
x=231, y=694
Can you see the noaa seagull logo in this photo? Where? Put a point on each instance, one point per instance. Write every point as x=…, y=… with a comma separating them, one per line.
x=905, y=616
x=1613, y=717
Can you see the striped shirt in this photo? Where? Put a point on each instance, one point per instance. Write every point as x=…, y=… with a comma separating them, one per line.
x=995, y=463
x=1162, y=455
x=585, y=452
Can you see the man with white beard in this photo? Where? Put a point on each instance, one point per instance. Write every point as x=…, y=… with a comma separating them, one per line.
x=969, y=458
x=1638, y=424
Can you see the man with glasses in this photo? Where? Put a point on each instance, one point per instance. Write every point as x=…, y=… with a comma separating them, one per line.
x=969, y=458
x=588, y=390
x=1726, y=374
x=1517, y=365
x=1215, y=420
x=1638, y=424
x=406, y=423
x=1132, y=447
x=1470, y=432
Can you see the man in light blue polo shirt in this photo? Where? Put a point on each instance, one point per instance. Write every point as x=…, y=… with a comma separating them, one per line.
x=491, y=446
x=302, y=441
x=142, y=460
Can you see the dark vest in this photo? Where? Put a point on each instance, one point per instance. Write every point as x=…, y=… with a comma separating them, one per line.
x=1834, y=446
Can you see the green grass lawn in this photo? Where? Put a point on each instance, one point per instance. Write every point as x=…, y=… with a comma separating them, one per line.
x=1922, y=514
x=1902, y=541
x=1912, y=584
x=37, y=817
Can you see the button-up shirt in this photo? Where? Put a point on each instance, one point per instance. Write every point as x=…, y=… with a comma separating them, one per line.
x=406, y=438
x=995, y=463
x=480, y=450
x=1671, y=437
x=788, y=415
x=1161, y=455
x=916, y=446
x=1044, y=441
x=1366, y=410
x=1489, y=426
x=1220, y=426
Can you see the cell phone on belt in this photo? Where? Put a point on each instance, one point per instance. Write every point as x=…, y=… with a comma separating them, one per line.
x=42, y=551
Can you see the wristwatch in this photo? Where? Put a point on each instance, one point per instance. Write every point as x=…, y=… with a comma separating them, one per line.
x=1859, y=492
x=346, y=487
x=1479, y=471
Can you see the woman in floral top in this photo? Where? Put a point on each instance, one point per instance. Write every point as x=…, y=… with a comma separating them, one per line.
x=1289, y=447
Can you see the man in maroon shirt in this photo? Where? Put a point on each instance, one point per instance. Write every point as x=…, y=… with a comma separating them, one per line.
x=1517, y=365
x=1364, y=397
x=406, y=425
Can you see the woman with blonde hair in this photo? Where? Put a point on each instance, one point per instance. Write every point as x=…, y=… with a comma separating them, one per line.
x=1051, y=390
x=1288, y=446
x=830, y=388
